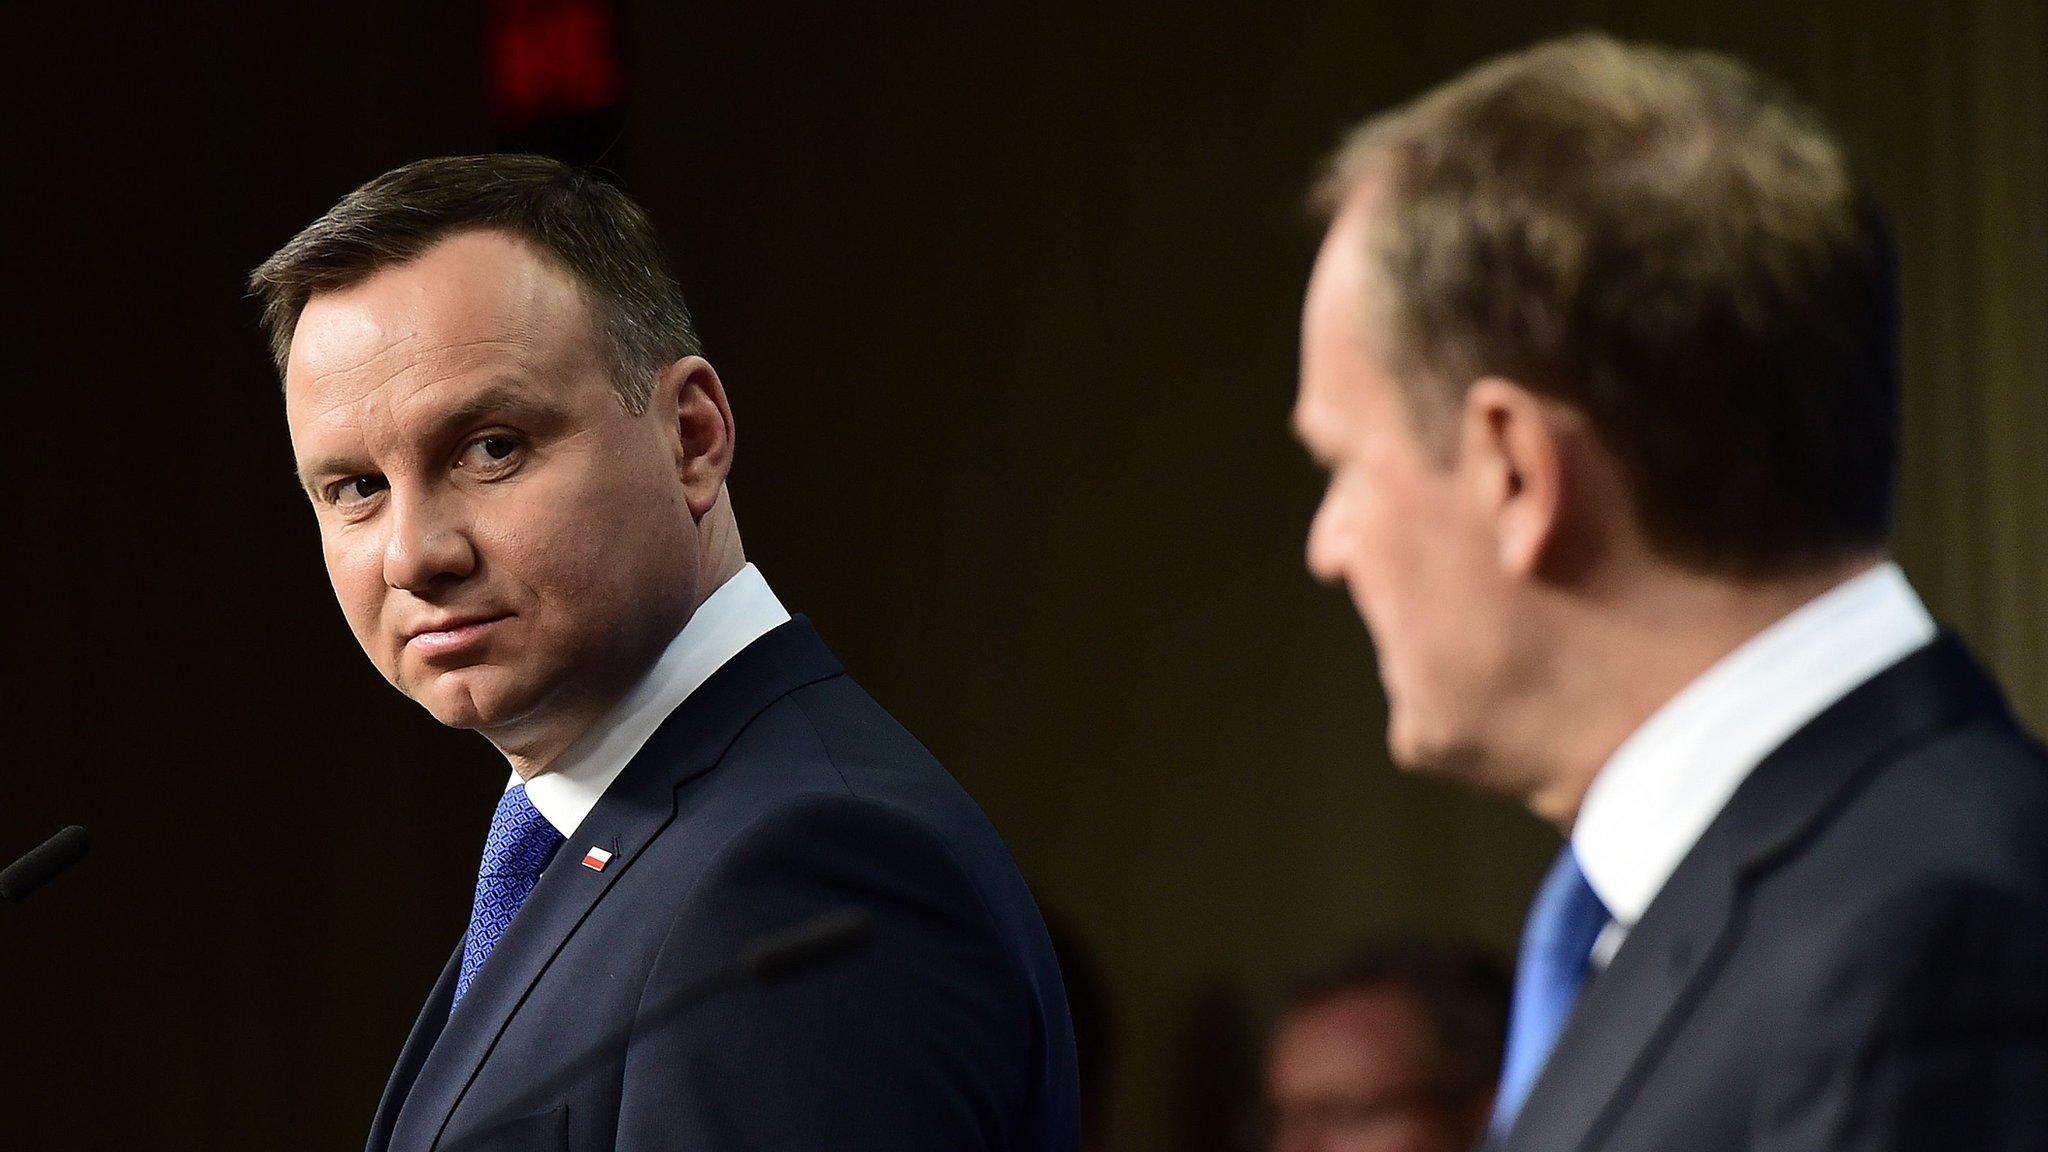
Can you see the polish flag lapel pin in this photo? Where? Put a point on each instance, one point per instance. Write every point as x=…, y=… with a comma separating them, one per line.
x=596, y=859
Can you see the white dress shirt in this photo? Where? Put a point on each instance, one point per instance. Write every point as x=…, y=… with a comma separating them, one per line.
x=1664, y=785
x=741, y=611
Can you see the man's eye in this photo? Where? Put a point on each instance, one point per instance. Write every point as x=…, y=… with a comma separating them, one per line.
x=490, y=453
x=357, y=489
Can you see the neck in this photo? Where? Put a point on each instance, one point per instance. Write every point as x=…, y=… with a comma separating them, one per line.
x=532, y=752
x=720, y=555
x=1624, y=655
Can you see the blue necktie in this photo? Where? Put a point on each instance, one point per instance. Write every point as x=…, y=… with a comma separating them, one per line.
x=1557, y=951
x=520, y=844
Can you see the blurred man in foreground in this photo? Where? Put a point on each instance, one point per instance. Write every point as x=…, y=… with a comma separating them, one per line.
x=1599, y=355
x=517, y=459
x=1393, y=1049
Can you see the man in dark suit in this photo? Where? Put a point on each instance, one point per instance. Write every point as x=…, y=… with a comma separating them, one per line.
x=517, y=459
x=1599, y=355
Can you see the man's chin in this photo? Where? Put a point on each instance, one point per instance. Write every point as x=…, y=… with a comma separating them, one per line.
x=1406, y=747
x=1412, y=758
x=471, y=698
x=1432, y=755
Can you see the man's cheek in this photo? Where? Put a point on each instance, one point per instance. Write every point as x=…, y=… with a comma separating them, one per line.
x=578, y=565
x=361, y=607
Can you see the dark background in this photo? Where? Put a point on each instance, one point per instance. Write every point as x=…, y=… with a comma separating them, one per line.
x=1006, y=299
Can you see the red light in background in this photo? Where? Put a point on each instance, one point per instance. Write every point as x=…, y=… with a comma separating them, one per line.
x=552, y=58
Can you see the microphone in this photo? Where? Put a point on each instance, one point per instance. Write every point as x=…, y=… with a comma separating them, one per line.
x=767, y=959
x=42, y=864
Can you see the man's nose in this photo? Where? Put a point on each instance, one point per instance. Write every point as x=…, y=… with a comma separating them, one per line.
x=429, y=545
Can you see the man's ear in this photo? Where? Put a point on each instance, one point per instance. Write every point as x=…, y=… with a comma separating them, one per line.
x=1517, y=459
x=691, y=402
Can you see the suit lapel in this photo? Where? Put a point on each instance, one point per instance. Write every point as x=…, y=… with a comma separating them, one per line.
x=420, y=1041
x=1624, y=1013
x=638, y=805
x=1630, y=1012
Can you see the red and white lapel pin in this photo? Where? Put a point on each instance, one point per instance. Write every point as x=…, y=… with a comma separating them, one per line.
x=596, y=859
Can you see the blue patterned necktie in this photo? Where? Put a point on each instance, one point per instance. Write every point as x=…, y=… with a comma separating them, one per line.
x=520, y=844
x=1557, y=953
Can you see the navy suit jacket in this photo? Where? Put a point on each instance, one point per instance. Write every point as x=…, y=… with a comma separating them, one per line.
x=779, y=790
x=1854, y=955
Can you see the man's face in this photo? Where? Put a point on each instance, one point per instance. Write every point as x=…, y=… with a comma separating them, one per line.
x=510, y=546
x=1358, y=1072
x=1404, y=533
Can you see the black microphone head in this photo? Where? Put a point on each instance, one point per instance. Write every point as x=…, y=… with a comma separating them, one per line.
x=42, y=864
x=814, y=941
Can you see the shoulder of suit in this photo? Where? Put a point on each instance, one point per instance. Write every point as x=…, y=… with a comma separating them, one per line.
x=1968, y=788
x=1962, y=811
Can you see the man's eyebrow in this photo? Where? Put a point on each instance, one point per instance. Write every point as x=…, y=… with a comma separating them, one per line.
x=307, y=474
x=486, y=401
x=494, y=398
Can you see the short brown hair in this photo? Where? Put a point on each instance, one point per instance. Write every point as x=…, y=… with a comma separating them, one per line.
x=1672, y=246
x=587, y=225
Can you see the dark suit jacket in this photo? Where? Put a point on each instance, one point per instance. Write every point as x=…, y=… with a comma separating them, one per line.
x=1854, y=955
x=777, y=791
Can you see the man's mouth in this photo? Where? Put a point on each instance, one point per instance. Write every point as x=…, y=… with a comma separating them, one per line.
x=453, y=634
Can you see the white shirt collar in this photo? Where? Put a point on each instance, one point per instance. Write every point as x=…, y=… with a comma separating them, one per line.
x=741, y=611
x=1660, y=790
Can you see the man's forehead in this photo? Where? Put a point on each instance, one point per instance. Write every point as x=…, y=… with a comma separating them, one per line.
x=1339, y=281
x=1337, y=326
x=474, y=302
x=469, y=289
x=410, y=415
x=1331, y=349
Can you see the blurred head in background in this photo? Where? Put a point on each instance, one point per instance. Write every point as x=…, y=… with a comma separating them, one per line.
x=1598, y=354
x=1393, y=1049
